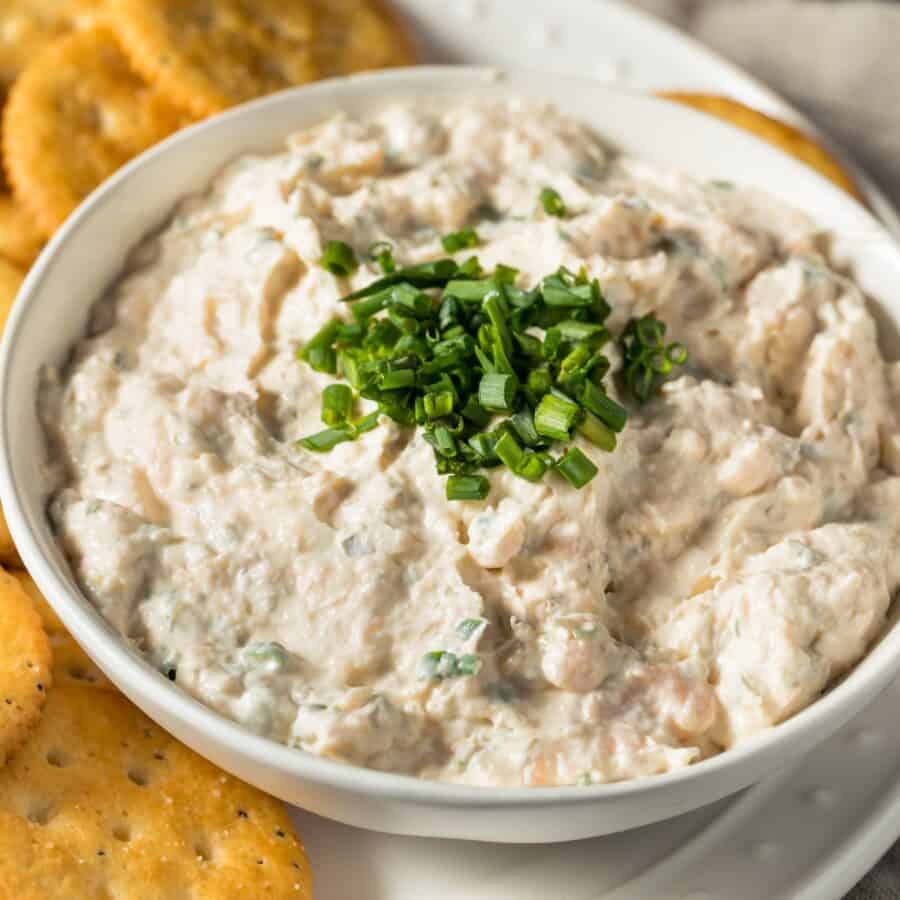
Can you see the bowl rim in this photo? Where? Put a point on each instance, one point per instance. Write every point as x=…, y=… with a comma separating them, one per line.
x=112, y=652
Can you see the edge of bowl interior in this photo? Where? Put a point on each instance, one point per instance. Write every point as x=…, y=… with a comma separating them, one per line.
x=89, y=252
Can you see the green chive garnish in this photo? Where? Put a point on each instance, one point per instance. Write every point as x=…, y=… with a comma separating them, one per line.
x=459, y=240
x=555, y=417
x=337, y=403
x=552, y=203
x=576, y=468
x=451, y=349
x=382, y=253
x=467, y=487
x=339, y=259
x=497, y=391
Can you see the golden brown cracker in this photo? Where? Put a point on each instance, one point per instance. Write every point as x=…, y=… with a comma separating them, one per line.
x=71, y=665
x=77, y=113
x=101, y=802
x=50, y=620
x=788, y=139
x=10, y=281
x=24, y=666
x=357, y=35
x=26, y=27
x=9, y=556
x=208, y=55
x=85, y=13
x=70, y=662
x=20, y=241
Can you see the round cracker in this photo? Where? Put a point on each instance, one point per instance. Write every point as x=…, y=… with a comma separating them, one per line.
x=49, y=619
x=101, y=802
x=9, y=556
x=10, y=281
x=71, y=665
x=211, y=54
x=70, y=662
x=788, y=139
x=20, y=241
x=78, y=113
x=24, y=666
x=357, y=35
x=26, y=27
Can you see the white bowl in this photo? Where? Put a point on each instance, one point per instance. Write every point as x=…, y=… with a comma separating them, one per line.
x=89, y=252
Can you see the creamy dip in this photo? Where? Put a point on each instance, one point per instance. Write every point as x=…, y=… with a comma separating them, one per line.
x=733, y=556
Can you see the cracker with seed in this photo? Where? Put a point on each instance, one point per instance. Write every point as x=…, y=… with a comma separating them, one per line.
x=785, y=137
x=71, y=665
x=70, y=662
x=24, y=666
x=101, y=802
x=77, y=113
x=20, y=241
x=358, y=35
x=211, y=54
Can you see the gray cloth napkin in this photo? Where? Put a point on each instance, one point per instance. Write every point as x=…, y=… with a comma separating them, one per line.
x=839, y=62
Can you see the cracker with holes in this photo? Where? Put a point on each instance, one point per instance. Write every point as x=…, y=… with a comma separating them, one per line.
x=70, y=662
x=788, y=139
x=24, y=666
x=101, y=802
x=212, y=54
x=71, y=665
x=77, y=113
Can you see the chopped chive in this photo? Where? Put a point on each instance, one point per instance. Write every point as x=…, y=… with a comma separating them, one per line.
x=460, y=240
x=446, y=347
x=468, y=664
x=552, y=203
x=467, y=487
x=497, y=391
x=555, y=417
x=439, y=404
x=576, y=468
x=396, y=379
x=532, y=467
x=382, y=253
x=337, y=403
x=322, y=359
x=604, y=407
x=573, y=330
x=483, y=445
x=467, y=627
x=591, y=428
x=508, y=451
x=339, y=259
x=523, y=423
x=444, y=441
x=475, y=412
x=326, y=440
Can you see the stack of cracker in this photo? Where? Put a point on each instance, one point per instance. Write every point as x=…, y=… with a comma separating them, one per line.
x=95, y=799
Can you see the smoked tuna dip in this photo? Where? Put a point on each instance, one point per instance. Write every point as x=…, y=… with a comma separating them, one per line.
x=733, y=556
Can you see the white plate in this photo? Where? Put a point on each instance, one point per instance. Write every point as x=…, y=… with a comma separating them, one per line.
x=809, y=833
